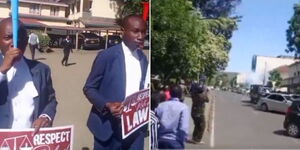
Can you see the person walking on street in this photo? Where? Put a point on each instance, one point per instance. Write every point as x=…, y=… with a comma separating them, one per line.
x=199, y=93
x=67, y=46
x=33, y=42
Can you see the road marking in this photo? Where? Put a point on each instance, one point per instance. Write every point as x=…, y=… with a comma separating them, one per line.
x=212, y=133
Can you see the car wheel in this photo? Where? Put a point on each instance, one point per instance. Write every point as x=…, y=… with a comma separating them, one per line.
x=264, y=107
x=293, y=130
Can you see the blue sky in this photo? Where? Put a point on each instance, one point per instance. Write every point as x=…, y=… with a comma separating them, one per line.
x=262, y=31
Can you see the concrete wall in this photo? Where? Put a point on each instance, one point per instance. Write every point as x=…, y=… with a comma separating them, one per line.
x=106, y=8
x=4, y=11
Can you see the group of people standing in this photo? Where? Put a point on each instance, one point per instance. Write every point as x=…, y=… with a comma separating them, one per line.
x=170, y=116
x=27, y=97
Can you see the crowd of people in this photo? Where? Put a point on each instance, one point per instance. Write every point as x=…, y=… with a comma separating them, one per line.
x=170, y=115
x=27, y=97
x=105, y=88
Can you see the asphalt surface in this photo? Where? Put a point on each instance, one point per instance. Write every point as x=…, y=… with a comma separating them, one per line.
x=73, y=108
x=239, y=125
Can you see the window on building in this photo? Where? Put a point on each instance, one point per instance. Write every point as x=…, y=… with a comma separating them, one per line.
x=90, y=5
x=34, y=9
x=54, y=11
x=295, y=74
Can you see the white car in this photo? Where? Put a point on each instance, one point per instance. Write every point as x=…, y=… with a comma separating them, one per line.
x=275, y=102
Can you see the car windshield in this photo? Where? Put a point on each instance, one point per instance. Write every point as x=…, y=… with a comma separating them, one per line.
x=295, y=96
x=287, y=97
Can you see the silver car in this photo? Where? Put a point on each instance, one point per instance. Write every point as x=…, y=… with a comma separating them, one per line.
x=275, y=102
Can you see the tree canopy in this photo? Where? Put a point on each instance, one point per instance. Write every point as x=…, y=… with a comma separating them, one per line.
x=293, y=32
x=275, y=77
x=184, y=43
x=216, y=8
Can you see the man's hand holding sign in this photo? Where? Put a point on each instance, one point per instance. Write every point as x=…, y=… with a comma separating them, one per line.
x=135, y=113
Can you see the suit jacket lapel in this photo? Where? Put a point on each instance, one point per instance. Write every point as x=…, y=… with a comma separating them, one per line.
x=3, y=92
x=143, y=64
x=35, y=79
x=122, y=72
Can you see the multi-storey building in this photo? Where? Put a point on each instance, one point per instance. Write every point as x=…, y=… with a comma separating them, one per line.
x=63, y=17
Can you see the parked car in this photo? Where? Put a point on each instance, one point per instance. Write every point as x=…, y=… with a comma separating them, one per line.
x=89, y=41
x=112, y=40
x=275, y=102
x=295, y=96
x=257, y=91
x=292, y=119
x=85, y=40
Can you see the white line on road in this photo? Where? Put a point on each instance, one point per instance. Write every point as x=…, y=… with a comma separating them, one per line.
x=212, y=133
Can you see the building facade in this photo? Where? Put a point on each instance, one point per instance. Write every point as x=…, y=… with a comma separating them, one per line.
x=262, y=65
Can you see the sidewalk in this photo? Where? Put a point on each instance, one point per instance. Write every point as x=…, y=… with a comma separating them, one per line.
x=208, y=115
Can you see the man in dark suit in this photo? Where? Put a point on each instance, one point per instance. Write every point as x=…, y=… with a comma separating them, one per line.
x=67, y=46
x=116, y=73
x=27, y=98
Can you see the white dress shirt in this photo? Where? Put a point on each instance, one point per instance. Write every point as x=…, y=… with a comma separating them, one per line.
x=21, y=93
x=133, y=70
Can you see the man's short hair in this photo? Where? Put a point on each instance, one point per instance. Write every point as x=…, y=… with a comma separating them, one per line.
x=176, y=91
x=126, y=18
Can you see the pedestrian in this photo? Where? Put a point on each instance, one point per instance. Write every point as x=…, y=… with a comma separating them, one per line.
x=167, y=92
x=154, y=122
x=117, y=72
x=174, y=117
x=199, y=93
x=67, y=48
x=27, y=98
x=33, y=42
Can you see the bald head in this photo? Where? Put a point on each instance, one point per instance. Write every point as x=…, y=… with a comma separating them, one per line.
x=6, y=35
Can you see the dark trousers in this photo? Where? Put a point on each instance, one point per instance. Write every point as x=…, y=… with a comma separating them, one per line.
x=65, y=59
x=199, y=127
x=32, y=50
x=170, y=144
x=135, y=142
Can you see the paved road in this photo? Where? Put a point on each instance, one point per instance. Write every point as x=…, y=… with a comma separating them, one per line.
x=239, y=125
x=73, y=107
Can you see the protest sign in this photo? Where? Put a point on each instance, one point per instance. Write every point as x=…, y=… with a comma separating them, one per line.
x=135, y=113
x=56, y=138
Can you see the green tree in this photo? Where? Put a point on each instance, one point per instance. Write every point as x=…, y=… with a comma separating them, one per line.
x=132, y=7
x=233, y=82
x=216, y=8
x=185, y=44
x=275, y=77
x=293, y=32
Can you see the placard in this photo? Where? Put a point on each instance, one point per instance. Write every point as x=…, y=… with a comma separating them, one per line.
x=136, y=112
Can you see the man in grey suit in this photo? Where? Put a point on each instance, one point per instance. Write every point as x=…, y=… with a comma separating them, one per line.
x=27, y=98
x=116, y=73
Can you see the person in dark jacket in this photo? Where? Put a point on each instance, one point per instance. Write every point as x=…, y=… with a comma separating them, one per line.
x=67, y=46
x=199, y=93
x=27, y=98
x=117, y=72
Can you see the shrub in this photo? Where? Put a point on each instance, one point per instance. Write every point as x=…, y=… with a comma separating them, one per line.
x=44, y=41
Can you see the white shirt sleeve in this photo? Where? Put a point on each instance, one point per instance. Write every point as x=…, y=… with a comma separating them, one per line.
x=2, y=76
